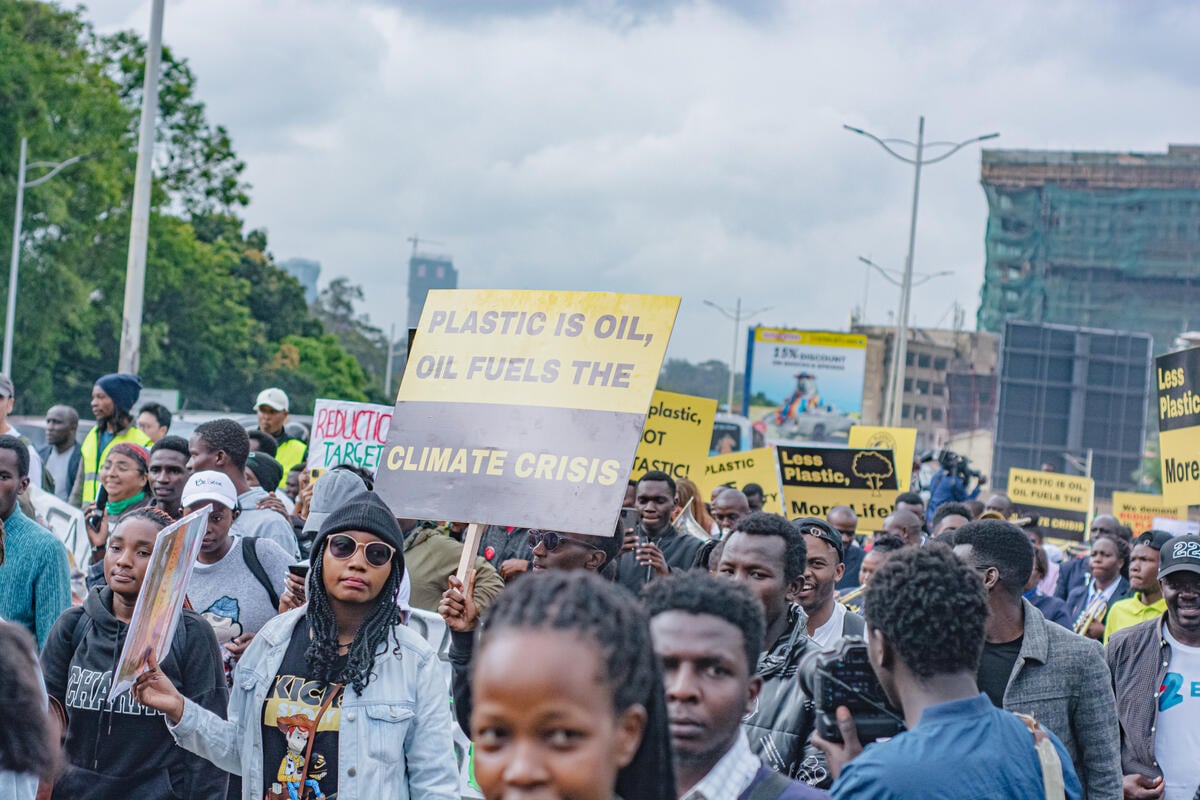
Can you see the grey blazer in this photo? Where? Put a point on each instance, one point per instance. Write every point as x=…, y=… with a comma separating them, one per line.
x=1061, y=680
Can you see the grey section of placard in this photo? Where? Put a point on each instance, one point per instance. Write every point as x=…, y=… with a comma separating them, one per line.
x=588, y=508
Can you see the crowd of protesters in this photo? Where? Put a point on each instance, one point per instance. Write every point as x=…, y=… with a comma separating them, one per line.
x=654, y=664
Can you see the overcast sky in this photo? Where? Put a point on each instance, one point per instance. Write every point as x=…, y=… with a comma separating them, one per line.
x=691, y=148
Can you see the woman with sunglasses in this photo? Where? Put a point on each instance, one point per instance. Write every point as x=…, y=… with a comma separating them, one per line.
x=335, y=696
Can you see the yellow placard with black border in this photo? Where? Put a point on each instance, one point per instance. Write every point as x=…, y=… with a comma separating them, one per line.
x=1177, y=377
x=524, y=408
x=815, y=479
x=739, y=469
x=901, y=441
x=676, y=436
x=1061, y=505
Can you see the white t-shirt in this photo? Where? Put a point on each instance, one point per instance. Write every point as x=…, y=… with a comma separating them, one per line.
x=1177, y=739
x=827, y=635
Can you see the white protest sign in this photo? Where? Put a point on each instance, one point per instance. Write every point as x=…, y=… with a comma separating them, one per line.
x=345, y=432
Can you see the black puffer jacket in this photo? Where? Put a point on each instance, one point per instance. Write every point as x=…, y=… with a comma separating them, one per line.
x=781, y=725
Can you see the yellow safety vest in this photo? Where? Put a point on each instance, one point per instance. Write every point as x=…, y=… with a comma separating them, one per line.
x=289, y=454
x=93, y=461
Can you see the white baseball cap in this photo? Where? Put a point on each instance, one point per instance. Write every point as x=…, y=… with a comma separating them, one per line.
x=209, y=485
x=273, y=398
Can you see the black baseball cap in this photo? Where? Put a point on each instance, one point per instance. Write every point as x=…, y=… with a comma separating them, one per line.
x=1181, y=554
x=1154, y=538
x=815, y=526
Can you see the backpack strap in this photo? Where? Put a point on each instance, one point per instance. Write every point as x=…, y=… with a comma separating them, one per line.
x=771, y=787
x=250, y=556
x=1052, y=768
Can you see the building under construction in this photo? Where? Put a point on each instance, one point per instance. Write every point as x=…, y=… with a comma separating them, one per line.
x=1102, y=240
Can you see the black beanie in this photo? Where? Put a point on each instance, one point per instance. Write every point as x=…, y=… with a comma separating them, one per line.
x=123, y=388
x=268, y=471
x=364, y=512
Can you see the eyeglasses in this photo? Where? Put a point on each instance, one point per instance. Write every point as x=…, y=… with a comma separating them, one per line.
x=552, y=539
x=343, y=546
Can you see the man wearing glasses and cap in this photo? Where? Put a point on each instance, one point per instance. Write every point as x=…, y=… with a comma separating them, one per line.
x=1156, y=674
x=272, y=409
x=828, y=620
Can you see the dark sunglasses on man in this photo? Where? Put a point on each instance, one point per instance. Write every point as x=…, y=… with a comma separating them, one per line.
x=552, y=539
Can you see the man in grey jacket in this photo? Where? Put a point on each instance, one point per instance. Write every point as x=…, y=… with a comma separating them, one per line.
x=767, y=554
x=1036, y=667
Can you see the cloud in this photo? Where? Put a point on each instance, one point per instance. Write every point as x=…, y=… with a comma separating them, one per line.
x=667, y=147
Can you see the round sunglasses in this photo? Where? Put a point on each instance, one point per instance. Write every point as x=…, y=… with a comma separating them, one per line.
x=552, y=539
x=343, y=546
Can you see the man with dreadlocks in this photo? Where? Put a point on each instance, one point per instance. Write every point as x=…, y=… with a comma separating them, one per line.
x=372, y=688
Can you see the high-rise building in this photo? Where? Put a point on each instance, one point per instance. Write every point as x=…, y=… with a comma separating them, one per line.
x=1101, y=240
x=427, y=271
x=307, y=272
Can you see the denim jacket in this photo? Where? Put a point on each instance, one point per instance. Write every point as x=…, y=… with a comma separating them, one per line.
x=395, y=739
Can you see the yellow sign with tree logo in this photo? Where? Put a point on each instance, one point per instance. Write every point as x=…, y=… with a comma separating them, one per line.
x=815, y=479
x=901, y=441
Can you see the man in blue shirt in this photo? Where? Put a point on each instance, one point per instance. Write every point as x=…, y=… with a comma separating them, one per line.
x=925, y=612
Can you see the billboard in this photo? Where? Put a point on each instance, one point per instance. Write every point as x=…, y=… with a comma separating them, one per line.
x=804, y=386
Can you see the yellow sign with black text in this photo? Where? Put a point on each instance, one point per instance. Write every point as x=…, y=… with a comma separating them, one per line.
x=1177, y=377
x=815, y=479
x=901, y=441
x=1139, y=510
x=739, y=469
x=524, y=408
x=677, y=434
x=1060, y=504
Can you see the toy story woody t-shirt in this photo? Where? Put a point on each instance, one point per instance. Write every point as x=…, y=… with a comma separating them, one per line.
x=296, y=734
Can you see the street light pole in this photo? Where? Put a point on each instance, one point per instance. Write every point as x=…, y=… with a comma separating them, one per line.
x=890, y=390
x=900, y=348
x=10, y=319
x=139, y=226
x=735, y=315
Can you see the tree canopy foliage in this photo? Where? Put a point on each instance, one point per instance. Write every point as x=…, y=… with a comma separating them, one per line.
x=221, y=319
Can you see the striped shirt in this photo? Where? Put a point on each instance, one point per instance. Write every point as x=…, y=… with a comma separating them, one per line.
x=731, y=776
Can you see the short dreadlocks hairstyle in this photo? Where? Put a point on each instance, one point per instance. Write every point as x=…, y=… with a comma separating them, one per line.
x=999, y=544
x=228, y=436
x=762, y=523
x=583, y=604
x=696, y=592
x=931, y=606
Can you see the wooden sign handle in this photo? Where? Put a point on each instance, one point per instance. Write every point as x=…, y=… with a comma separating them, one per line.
x=470, y=550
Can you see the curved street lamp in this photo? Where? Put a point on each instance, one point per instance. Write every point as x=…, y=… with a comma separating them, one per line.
x=900, y=351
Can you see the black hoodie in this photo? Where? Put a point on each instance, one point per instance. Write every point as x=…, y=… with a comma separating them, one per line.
x=124, y=749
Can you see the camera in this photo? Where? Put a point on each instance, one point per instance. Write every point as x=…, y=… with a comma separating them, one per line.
x=844, y=677
x=959, y=465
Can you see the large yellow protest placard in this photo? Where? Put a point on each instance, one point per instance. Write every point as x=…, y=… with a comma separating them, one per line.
x=676, y=436
x=524, y=407
x=1177, y=377
x=739, y=469
x=815, y=479
x=1139, y=510
x=901, y=441
x=1060, y=504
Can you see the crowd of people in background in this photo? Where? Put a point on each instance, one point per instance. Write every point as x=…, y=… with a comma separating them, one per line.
x=654, y=664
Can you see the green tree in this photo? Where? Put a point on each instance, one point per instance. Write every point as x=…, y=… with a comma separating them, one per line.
x=308, y=367
x=335, y=308
x=217, y=309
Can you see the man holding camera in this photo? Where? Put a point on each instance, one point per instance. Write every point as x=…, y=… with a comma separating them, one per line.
x=1033, y=666
x=925, y=612
x=950, y=483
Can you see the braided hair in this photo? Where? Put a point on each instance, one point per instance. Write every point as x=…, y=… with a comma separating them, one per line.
x=151, y=514
x=583, y=603
x=322, y=652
